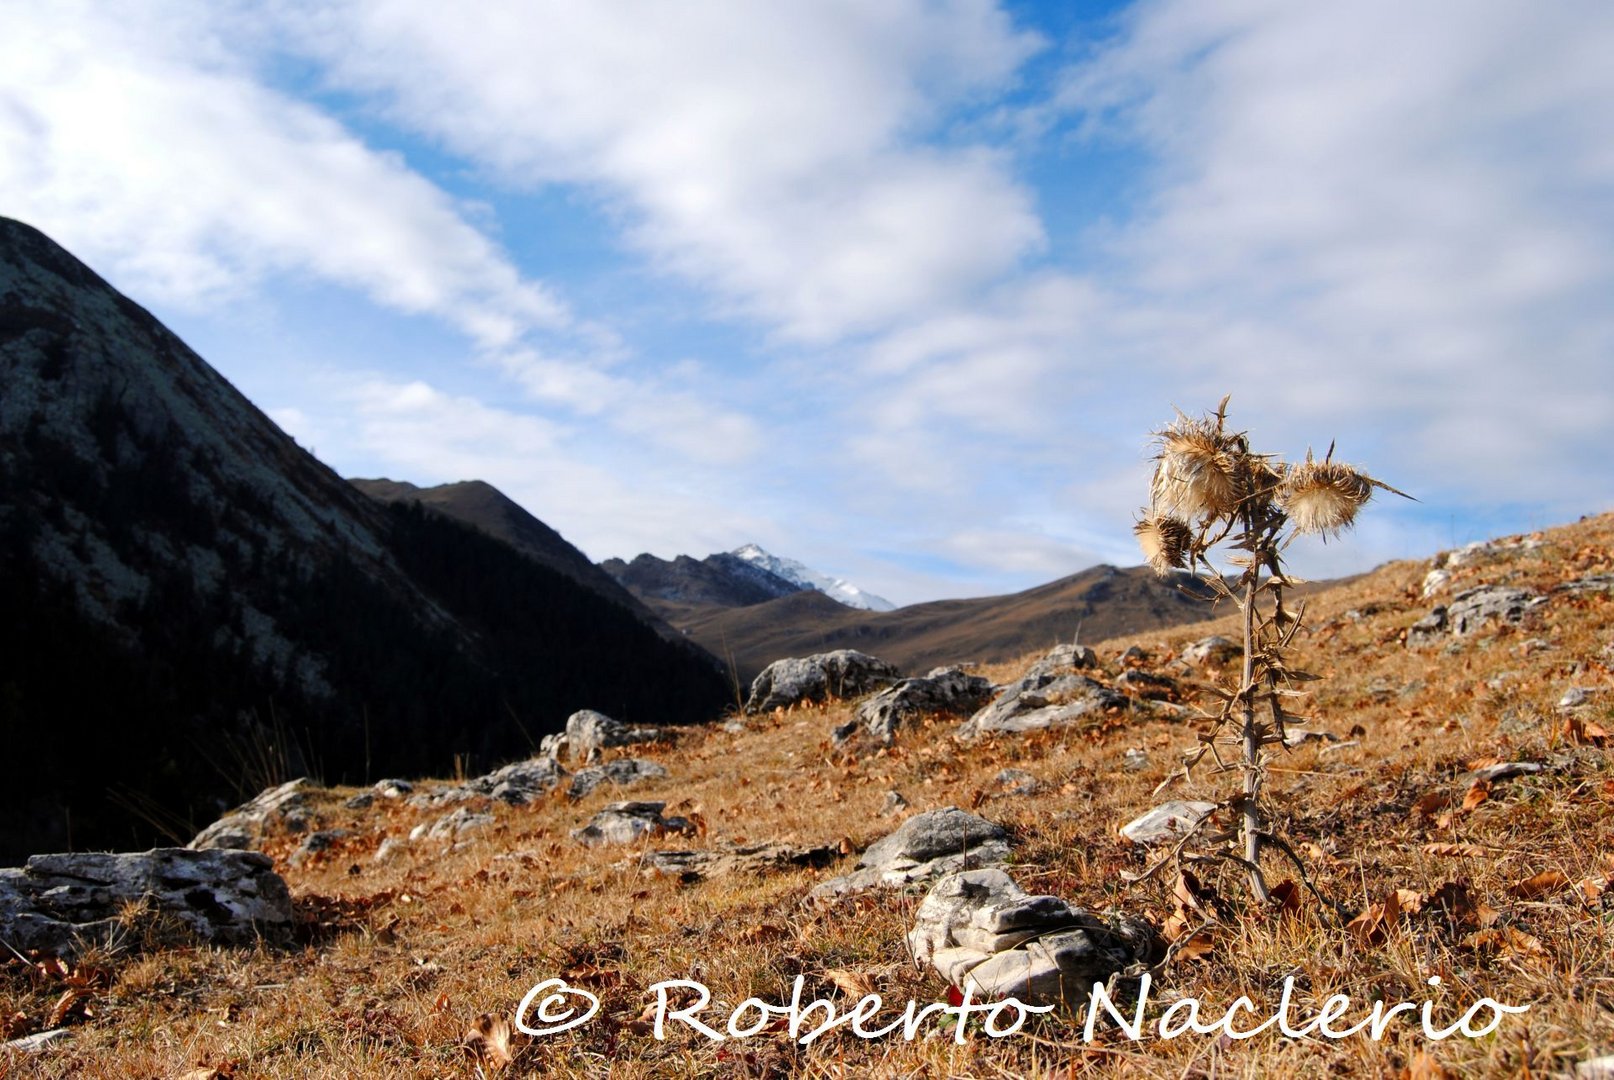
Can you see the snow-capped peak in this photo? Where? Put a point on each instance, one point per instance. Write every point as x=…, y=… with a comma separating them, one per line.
x=808, y=578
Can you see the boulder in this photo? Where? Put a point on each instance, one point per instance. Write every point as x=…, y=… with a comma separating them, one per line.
x=1166, y=822
x=59, y=904
x=451, y=826
x=1471, y=607
x=1063, y=659
x=1213, y=651
x=844, y=673
x=517, y=784
x=628, y=822
x=1429, y=629
x=923, y=848
x=1040, y=701
x=589, y=732
x=1016, y=782
x=244, y=828
x=622, y=772
x=944, y=690
x=692, y=866
x=982, y=932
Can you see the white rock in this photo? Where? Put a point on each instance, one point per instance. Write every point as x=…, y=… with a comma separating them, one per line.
x=1168, y=821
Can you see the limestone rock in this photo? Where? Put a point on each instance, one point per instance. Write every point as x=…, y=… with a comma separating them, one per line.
x=1429, y=629
x=1214, y=651
x=1017, y=782
x=60, y=903
x=619, y=773
x=1471, y=607
x=451, y=826
x=922, y=848
x=982, y=932
x=517, y=784
x=1166, y=822
x=589, y=732
x=244, y=828
x=1039, y=701
x=1063, y=659
x=691, y=866
x=628, y=822
x=38, y=1042
x=944, y=690
x=844, y=673
x=1147, y=685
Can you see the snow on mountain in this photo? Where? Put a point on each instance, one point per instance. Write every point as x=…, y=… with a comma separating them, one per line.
x=808, y=578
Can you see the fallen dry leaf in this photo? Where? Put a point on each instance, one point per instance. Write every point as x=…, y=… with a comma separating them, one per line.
x=1456, y=851
x=854, y=984
x=488, y=1042
x=1373, y=926
x=1478, y=792
x=1424, y=1067
x=1545, y=883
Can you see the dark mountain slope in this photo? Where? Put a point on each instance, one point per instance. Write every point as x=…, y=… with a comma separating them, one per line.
x=721, y=580
x=190, y=603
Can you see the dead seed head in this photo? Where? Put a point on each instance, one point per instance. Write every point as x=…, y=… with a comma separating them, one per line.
x=1166, y=542
x=1196, y=470
x=1323, y=496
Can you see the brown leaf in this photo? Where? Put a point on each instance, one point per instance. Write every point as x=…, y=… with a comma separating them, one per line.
x=1373, y=926
x=854, y=984
x=488, y=1042
x=1506, y=939
x=72, y=1005
x=1543, y=884
x=1478, y=792
x=1593, y=887
x=1431, y=804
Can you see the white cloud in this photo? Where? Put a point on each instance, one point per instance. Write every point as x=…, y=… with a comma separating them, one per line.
x=771, y=153
x=135, y=136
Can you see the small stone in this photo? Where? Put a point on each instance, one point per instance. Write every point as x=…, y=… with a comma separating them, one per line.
x=623, y=772
x=1573, y=697
x=1135, y=759
x=628, y=822
x=922, y=848
x=589, y=732
x=451, y=826
x=1435, y=583
x=1215, y=650
x=392, y=789
x=894, y=803
x=39, y=1042
x=361, y=801
x=1168, y=821
x=1017, y=782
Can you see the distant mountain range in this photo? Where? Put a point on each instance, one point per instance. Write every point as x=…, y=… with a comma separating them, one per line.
x=193, y=605
x=837, y=589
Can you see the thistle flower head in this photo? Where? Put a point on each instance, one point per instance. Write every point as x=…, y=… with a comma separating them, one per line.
x=1196, y=470
x=1323, y=496
x=1165, y=541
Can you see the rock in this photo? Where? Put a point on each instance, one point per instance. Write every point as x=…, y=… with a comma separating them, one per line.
x=924, y=847
x=1168, y=821
x=844, y=673
x=451, y=826
x=1042, y=701
x=1574, y=697
x=1017, y=782
x=1212, y=651
x=361, y=801
x=589, y=732
x=314, y=843
x=982, y=932
x=37, y=1043
x=1063, y=659
x=619, y=773
x=1470, y=553
x=1588, y=583
x=1429, y=629
x=1600, y=1068
x=944, y=690
x=1136, y=759
x=1134, y=654
x=245, y=827
x=1435, y=582
x=59, y=904
x=516, y=784
x=1147, y=685
x=628, y=822
x=1504, y=770
x=1471, y=607
x=692, y=866
x=392, y=789
x=389, y=847
x=894, y=803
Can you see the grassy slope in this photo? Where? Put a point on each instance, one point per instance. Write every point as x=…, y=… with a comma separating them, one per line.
x=413, y=949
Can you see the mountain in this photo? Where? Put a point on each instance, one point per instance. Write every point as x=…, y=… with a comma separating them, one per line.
x=723, y=580
x=485, y=507
x=1099, y=602
x=837, y=589
x=194, y=605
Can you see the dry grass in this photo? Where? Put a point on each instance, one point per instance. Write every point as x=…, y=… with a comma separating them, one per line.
x=398, y=959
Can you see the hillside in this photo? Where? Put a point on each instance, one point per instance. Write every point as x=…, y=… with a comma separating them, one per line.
x=1095, y=604
x=483, y=506
x=195, y=605
x=413, y=956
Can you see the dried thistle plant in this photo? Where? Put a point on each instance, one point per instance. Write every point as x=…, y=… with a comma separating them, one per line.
x=1210, y=489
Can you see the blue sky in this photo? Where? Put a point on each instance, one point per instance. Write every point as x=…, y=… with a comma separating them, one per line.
x=894, y=289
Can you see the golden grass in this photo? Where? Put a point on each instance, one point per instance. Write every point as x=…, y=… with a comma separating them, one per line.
x=401, y=957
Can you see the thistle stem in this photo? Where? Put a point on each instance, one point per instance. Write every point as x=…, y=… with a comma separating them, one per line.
x=1251, y=825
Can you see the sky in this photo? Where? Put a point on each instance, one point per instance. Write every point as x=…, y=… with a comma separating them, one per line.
x=896, y=289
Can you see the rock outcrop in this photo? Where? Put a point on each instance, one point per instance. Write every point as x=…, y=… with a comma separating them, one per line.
x=284, y=807
x=623, y=772
x=589, y=732
x=628, y=822
x=60, y=904
x=982, y=932
x=944, y=690
x=923, y=848
x=692, y=866
x=844, y=673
